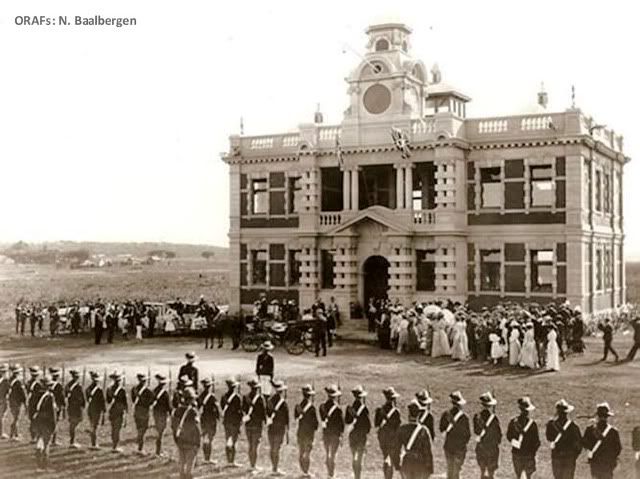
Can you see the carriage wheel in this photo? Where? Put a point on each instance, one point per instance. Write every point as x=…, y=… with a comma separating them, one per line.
x=295, y=347
x=250, y=344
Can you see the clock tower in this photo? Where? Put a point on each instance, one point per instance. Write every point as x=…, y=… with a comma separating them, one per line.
x=387, y=89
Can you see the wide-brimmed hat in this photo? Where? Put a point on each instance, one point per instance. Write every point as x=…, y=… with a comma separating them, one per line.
x=34, y=370
x=525, y=404
x=359, y=391
x=232, y=382
x=74, y=372
x=205, y=382
x=54, y=371
x=333, y=391
x=278, y=385
x=115, y=375
x=253, y=383
x=191, y=356
x=390, y=393
x=308, y=390
x=141, y=376
x=487, y=399
x=457, y=398
x=424, y=397
x=563, y=405
x=161, y=378
x=267, y=346
x=94, y=374
x=604, y=410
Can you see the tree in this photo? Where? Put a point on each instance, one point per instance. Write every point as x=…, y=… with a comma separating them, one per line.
x=208, y=255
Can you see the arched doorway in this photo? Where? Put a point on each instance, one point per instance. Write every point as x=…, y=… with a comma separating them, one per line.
x=376, y=278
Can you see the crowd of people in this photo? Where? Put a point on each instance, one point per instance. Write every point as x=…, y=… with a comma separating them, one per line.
x=193, y=412
x=527, y=336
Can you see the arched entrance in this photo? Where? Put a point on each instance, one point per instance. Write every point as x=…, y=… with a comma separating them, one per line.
x=376, y=278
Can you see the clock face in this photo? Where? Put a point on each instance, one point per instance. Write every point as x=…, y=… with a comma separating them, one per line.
x=377, y=99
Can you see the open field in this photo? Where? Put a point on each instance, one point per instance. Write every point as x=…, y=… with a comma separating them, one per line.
x=582, y=380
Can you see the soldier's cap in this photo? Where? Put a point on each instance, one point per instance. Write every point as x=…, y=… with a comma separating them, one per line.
x=308, y=390
x=333, y=391
x=191, y=356
x=115, y=375
x=141, y=376
x=414, y=410
x=563, y=405
x=424, y=397
x=267, y=346
x=34, y=370
x=487, y=399
x=359, y=391
x=253, y=383
x=94, y=374
x=205, y=382
x=189, y=394
x=232, y=382
x=525, y=404
x=161, y=377
x=457, y=398
x=54, y=371
x=74, y=372
x=604, y=410
x=278, y=385
x=390, y=393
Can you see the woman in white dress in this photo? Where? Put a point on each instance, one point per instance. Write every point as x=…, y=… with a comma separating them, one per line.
x=496, y=348
x=529, y=353
x=553, y=352
x=460, y=348
x=514, y=347
x=440, y=346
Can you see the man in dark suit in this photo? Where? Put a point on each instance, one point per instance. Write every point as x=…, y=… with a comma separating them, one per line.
x=75, y=400
x=305, y=415
x=416, y=455
x=636, y=339
x=387, y=419
x=142, y=397
x=254, y=417
x=209, y=415
x=185, y=424
x=161, y=407
x=488, y=434
x=332, y=423
x=607, y=338
x=454, y=425
x=117, y=408
x=522, y=432
x=231, y=405
x=602, y=443
x=265, y=368
x=565, y=442
x=277, y=423
x=190, y=370
x=96, y=406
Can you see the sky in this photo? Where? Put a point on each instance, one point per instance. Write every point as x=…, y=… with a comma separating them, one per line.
x=115, y=134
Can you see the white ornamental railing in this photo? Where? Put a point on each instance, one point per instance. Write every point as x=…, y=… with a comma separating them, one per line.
x=492, y=126
x=261, y=143
x=424, y=217
x=330, y=219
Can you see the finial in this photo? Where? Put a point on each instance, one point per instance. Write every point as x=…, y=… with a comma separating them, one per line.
x=573, y=96
x=436, y=74
x=317, y=117
x=241, y=126
x=543, y=98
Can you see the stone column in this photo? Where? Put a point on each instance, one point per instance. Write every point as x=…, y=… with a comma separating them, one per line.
x=399, y=187
x=354, y=189
x=408, y=187
x=346, y=194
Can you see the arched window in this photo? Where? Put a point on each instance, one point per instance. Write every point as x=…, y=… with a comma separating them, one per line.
x=382, y=45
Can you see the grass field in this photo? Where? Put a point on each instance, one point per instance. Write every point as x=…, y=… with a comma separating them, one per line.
x=583, y=380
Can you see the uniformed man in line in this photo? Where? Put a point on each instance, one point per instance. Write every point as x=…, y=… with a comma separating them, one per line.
x=454, y=426
x=117, y=408
x=265, y=368
x=254, y=411
x=307, y=418
x=332, y=423
x=416, y=455
x=161, y=407
x=17, y=398
x=183, y=383
x=4, y=398
x=190, y=370
x=58, y=394
x=522, y=433
x=602, y=443
x=424, y=400
x=565, y=442
x=209, y=415
x=185, y=424
x=96, y=406
x=231, y=405
x=358, y=424
x=141, y=398
x=34, y=391
x=488, y=435
x=75, y=401
x=44, y=422
x=387, y=419
x=277, y=423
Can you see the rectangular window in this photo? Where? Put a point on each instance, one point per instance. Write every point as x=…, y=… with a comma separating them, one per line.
x=294, y=189
x=607, y=269
x=294, y=267
x=541, y=185
x=426, y=270
x=327, y=269
x=491, y=188
x=606, y=193
x=541, y=270
x=331, y=185
x=260, y=200
x=424, y=191
x=598, y=182
x=490, y=260
x=598, y=270
x=259, y=265
x=586, y=185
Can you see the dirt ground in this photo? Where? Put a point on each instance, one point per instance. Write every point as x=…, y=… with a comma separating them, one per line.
x=583, y=380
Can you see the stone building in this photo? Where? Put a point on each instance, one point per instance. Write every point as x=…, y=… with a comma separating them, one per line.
x=408, y=198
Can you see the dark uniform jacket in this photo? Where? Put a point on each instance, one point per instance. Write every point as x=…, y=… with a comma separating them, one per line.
x=426, y=419
x=185, y=424
x=564, y=439
x=74, y=398
x=34, y=391
x=331, y=418
x=357, y=416
x=17, y=394
x=210, y=413
x=415, y=441
x=305, y=414
x=254, y=410
x=191, y=372
x=4, y=390
x=454, y=424
x=44, y=413
x=161, y=404
x=264, y=364
x=605, y=457
x=96, y=404
x=117, y=400
x=141, y=398
x=528, y=441
x=277, y=414
x=231, y=405
x=58, y=394
x=387, y=420
x=488, y=434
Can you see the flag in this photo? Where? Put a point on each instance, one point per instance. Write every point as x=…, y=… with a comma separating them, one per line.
x=401, y=142
x=339, y=152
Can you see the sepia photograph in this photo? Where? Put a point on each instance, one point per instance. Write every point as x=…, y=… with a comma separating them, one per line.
x=329, y=240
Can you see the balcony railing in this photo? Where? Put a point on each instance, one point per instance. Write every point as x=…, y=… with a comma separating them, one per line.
x=330, y=219
x=424, y=217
